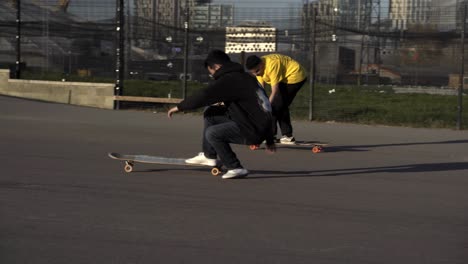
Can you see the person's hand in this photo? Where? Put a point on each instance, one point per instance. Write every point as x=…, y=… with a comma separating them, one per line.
x=172, y=111
x=274, y=93
x=271, y=148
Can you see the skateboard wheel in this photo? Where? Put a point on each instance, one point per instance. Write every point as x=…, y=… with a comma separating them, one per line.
x=254, y=147
x=215, y=171
x=317, y=149
x=128, y=167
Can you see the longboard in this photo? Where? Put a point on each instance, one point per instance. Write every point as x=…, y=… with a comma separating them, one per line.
x=131, y=159
x=317, y=147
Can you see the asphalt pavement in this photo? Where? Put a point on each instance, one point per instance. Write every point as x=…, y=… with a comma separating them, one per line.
x=380, y=195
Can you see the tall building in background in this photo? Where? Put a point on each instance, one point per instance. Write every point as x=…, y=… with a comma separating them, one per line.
x=159, y=22
x=211, y=16
x=444, y=14
x=88, y=10
x=164, y=12
x=404, y=13
x=202, y=14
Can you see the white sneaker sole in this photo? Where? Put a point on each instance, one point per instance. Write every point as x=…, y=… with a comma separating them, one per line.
x=288, y=143
x=235, y=176
x=210, y=164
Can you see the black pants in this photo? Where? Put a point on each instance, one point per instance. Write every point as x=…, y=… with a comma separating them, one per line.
x=280, y=107
x=219, y=131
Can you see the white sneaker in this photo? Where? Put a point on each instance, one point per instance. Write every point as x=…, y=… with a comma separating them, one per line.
x=236, y=173
x=288, y=140
x=202, y=160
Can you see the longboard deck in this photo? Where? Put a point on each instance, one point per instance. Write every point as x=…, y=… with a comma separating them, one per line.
x=149, y=159
x=130, y=159
x=306, y=143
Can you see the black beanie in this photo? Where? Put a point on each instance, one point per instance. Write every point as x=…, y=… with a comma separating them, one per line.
x=252, y=62
x=216, y=57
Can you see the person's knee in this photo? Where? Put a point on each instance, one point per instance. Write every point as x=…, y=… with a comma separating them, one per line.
x=210, y=134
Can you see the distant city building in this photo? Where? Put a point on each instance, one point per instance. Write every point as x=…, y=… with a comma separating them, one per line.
x=251, y=37
x=444, y=14
x=202, y=14
x=90, y=10
x=158, y=11
x=409, y=12
x=158, y=26
x=356, y=14
x=211, y=16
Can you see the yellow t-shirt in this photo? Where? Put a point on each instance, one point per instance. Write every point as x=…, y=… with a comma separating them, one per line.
x=281, y=68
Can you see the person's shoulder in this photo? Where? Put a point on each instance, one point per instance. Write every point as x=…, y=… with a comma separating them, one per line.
x=275, y=58
x=233, y=77
x=272, y=56
x=275, y=55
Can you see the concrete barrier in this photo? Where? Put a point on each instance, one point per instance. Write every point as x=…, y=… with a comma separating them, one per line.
x=100, y=95
x=425, y=90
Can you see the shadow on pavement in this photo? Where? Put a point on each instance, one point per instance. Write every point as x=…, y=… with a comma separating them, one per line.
x=360, y=148
x=410, y=168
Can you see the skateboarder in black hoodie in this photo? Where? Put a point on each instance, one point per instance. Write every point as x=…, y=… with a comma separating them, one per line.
x=238, y=111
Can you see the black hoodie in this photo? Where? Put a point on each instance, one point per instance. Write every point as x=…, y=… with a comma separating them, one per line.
x=246, y=102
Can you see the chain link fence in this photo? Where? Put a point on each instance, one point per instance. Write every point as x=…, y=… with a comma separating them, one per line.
x=362, y=56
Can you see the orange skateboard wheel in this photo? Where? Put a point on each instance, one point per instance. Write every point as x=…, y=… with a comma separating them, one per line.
x=254, y=147
x=317, y=149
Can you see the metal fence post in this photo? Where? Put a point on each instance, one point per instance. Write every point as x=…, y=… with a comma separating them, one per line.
x=120, y=54
x=18, y=40
x=242, y=58
x=312, y=65
x=186, y=47
x=462, y=70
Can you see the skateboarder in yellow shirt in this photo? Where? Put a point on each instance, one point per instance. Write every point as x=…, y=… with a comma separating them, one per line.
x=286, y=77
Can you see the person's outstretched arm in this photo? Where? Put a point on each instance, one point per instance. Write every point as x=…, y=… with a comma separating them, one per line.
x=172, y=111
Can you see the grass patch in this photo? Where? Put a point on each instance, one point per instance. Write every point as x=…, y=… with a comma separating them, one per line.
x=57, y=76
x=375, y=105
x=159, y=88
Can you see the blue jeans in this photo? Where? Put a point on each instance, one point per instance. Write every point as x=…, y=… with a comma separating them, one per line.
x=218, y=133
